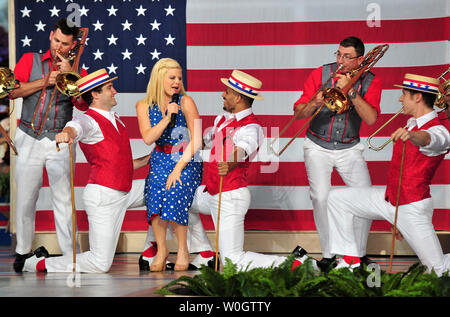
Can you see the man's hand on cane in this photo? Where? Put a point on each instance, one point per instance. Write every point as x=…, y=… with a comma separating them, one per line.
x=225, y=167
x=65, y=136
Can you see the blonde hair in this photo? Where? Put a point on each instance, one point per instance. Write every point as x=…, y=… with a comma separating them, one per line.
x=155, y=89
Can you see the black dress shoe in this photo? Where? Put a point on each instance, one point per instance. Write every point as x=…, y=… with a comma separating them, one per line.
x=299, y=252
x=20, y=258
x=365, y=260
x=41, y=252
x=144, y=266
x=327, y=264
x=171, y=267
x=19, y=262
x=211, y=263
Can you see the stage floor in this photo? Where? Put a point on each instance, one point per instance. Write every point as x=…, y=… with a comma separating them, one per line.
x=123, y=280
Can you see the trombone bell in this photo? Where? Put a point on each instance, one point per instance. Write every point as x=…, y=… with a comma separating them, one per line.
x=444, y=89
x=65, y=82
x=7, y=81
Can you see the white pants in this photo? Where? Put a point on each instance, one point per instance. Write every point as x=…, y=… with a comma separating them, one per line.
x=33, y=156
x=105, y=208
x=233, y=208
x=352, y=168
x=348, y=206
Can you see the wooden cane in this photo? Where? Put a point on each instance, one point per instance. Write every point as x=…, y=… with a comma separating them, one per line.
x=74, y=236
x=218, y=223
x=394, y=229
x=218, y=213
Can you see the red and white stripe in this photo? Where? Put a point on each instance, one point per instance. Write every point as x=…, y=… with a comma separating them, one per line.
x=280, y=43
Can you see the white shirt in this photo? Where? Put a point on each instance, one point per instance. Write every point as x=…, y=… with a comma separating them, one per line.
x=88, y=130
x=248, y=137
x=440, y=137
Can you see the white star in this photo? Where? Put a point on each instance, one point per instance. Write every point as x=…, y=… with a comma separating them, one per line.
x=126, y=25
x=112, y=11
x=98, y=54
x=26, y=41
x=141, y=11
x=169, y=40
x=39, y=1
x=85, y=67
x=40, y=26
x=155, y=25
x=54, y=11
x=169, y=10
x=25, y=12
x=69, y=0
x=83, y=11
x=141, y=40
x=112, y=69
x=98, y=26
x=141, y=69
x=112, y=40
x=155, y=54
x=126, y=54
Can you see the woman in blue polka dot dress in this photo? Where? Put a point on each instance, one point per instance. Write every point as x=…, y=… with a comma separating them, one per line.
x=175, y=173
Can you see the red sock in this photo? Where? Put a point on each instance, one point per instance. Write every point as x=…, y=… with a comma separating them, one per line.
x=295, y=264
x=352, y=259
x=150, y=252
x=40, y=266
x=207, y=254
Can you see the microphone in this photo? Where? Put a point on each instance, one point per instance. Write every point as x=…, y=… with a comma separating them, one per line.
x=173, y=118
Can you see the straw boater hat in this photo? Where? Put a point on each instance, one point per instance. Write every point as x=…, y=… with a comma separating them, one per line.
x=244, y=84
x=420, y=83
x=93, y=80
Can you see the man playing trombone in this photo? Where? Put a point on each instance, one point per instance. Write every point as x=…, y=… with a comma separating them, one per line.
x=332, y=140
x=419, y=149
x=35, y=139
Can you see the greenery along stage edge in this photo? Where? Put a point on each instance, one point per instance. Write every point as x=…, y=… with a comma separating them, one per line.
x=305, y=282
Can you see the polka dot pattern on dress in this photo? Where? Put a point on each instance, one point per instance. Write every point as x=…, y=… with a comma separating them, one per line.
x=172, y=204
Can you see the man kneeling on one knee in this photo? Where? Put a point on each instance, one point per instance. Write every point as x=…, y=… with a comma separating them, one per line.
x=425, y=142
x=110, y=190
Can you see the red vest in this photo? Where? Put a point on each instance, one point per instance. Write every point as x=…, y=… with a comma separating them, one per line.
x=110, y=160
x=418, y=170
x=237, y=178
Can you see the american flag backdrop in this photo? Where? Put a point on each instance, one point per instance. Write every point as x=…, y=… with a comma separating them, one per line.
x=277, y=41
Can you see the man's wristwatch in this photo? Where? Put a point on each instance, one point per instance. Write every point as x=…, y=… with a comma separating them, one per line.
x=352, y=94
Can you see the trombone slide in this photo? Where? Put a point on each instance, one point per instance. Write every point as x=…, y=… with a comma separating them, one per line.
x=379, y=148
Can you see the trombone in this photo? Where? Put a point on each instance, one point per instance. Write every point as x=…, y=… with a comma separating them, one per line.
x=379, y=148
x=66, y=81
x=440, y=103
x=336, y=99
x=63, y=82
x=295, y=118
x=8, y=82
x=443, y=90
